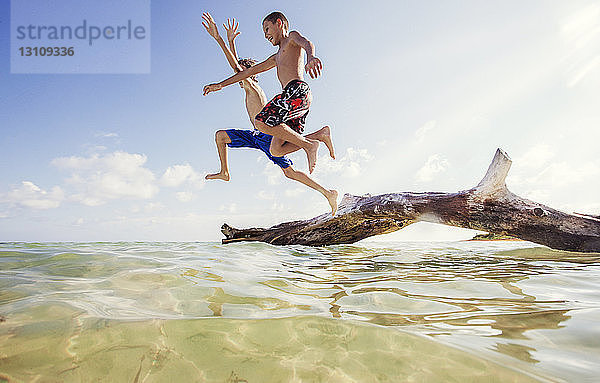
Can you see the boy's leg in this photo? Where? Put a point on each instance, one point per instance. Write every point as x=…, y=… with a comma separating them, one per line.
x=281, y=148
x=221, y=139
x=302, y=177
x=284, y=133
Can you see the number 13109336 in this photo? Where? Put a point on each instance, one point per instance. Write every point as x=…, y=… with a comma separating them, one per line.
x=46, y=51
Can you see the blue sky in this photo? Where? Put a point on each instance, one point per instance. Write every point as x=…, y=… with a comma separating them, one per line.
x=419, y=95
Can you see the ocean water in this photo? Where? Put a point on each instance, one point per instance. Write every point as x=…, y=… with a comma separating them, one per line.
x=252, y=312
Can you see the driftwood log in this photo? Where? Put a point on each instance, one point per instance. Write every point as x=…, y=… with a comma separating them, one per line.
x=489, y=206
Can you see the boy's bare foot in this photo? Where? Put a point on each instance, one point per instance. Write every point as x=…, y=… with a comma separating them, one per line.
x=331, y=196
x=324, y=135
x=218, y=176
x=311, y=153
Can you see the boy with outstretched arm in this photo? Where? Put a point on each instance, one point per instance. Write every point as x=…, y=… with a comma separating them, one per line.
x=255, y=101
x=284, y=116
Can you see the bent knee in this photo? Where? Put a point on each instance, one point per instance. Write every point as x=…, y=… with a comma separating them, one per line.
x=221, y=136
x=288, y=172
x=261, y=126
x=275, y=152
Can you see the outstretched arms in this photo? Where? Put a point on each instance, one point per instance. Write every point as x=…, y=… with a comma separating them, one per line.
x=255, y=69
x=313, y=65
x=211, y=27
x=232, y=33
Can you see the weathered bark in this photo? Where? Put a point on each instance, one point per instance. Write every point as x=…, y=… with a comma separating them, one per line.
x=489, y=206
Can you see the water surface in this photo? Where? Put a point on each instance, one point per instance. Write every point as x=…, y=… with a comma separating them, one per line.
x=155, y=312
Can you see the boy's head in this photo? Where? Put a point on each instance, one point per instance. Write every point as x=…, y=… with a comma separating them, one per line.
x=247, y=63
x=275, y=25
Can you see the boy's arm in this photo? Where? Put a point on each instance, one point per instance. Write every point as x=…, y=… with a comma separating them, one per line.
x=211, y=28
x=232, y=32
x=232, y=48
x=313, y=65
x=255, y=69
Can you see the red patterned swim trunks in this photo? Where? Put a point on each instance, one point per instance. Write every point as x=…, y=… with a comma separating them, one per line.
x=289, y=107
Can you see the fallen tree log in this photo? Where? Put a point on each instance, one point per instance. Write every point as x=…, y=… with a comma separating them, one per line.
x=489, y=206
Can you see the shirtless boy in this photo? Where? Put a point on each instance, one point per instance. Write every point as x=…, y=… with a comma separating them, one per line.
x=255, y=101
x=283, y=117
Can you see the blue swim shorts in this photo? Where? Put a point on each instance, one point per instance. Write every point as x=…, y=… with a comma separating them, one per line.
x=257, y=140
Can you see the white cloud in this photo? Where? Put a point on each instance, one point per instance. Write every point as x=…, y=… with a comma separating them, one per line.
x=87, y=200
x=146, y=208
x=231, y=208
x=563, y=174
x=263, y=194
x=31, y=196
x=421, y=133
x=276, y=206
x=350, y=165
x=535, y=172
x=184, y=196
x=176, y=175
x=535, y=157
x=294, y=192
x=435, y=164
x=153, y=206
x=273, y=173
x=99, y=178
x=107, y=135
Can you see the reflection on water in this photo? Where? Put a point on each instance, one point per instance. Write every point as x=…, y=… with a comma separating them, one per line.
x=255, y=312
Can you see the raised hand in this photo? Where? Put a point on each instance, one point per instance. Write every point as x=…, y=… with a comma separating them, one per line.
x=211, y=88
x=210, y=25
x=232, y=29
x=313, y=67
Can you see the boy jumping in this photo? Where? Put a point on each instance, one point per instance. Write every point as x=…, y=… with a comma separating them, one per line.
x=284, y=116
x=255, y=102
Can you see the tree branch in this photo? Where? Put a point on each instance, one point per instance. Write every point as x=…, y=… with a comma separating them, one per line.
x=489, y=206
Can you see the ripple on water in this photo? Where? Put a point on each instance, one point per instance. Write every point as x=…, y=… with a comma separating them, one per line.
x=509, y=303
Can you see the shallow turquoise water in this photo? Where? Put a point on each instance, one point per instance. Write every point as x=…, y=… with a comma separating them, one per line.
x=457, y=311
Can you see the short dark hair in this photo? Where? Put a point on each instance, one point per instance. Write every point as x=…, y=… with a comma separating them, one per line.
x=247, y=63
x=274, y=16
